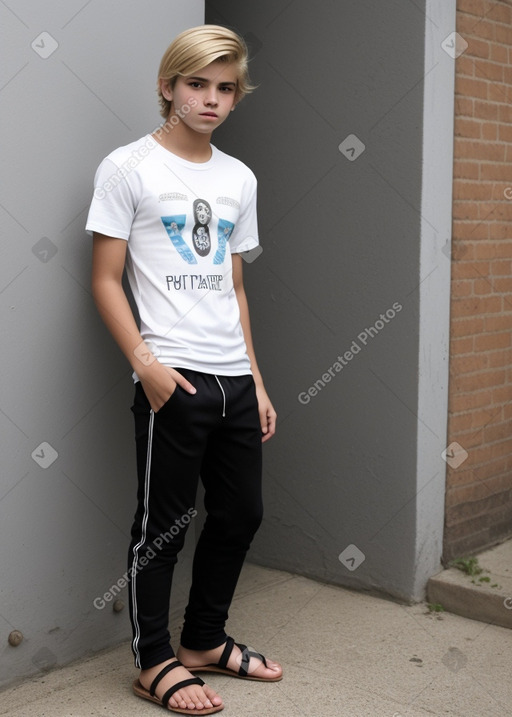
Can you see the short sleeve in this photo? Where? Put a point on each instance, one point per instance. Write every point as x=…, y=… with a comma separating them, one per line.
x=245, y=233
x=114, y=201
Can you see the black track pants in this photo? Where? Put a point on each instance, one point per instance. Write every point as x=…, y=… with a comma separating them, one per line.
x=214, y=434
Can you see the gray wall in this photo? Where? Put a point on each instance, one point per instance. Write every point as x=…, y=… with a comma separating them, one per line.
x=66, y=507
x=354, y=480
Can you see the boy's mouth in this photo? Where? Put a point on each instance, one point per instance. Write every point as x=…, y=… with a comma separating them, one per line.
x=208, y=114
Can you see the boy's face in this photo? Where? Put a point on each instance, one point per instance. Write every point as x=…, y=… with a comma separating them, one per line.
x=213, y=88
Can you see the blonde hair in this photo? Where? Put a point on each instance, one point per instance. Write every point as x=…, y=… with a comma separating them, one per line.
x=197, y=47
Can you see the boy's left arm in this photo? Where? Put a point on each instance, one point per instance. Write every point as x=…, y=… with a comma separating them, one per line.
x=268, y=415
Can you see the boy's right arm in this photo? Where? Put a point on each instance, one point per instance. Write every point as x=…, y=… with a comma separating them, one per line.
x=158, y=381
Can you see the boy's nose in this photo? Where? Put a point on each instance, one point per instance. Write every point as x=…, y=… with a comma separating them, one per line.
x=211, y=98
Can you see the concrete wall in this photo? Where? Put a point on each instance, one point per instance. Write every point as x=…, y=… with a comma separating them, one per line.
x=78, y=79
x=350, y=134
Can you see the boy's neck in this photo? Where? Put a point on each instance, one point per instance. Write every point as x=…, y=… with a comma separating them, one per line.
x=184, y=142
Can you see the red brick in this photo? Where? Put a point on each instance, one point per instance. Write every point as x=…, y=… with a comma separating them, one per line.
x=469, y=231
x=471, y=149
x=465, y=169
x=481, y=454
x=502, y=285
x=464, y=106
x=466, y=327
x=470, y=269
x=485, y=110
x=499, y=12
x=465, y=210
x=468, y=363
x=491, y=470
x=473, y=7
x=496, y=172
x=502, y=191
x=469, y=401
x=468, y=128
x=501, y=268
x=462, y=289
x=498, y=323
x=490, y=131
x=487, y=70
x=501, y=230
x=474, y=190
x=493, y=249
x=499, y=53
x=491, y=342
x=507, y=75
x=497, y=432
x=477, y=306
x=458, y=424
x=502, y=395
x=459, y=476
x=469, y=26
x=460, y=347
x=504, y=112
x=500, y=358
x=503, y=34
x=471, y=87
x=477, y=491
x=503, y=448
x=484, y=417
x=499, y=211
x=465, y=66
x=472, y=382
x=478, y=48
x=498, y=92
x=505, y=133
x=482, y=287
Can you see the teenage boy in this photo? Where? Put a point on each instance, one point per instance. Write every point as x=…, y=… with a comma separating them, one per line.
x=200, y=408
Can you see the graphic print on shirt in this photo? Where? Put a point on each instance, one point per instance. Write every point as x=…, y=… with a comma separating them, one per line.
x=224, y=231
x=201, y=239
x=174, y=226
x=201, y=231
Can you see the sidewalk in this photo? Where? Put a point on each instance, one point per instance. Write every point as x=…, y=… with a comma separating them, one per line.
x=486, y=596
x=344, y=653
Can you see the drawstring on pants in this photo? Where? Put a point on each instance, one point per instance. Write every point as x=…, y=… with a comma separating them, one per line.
x=223, y=398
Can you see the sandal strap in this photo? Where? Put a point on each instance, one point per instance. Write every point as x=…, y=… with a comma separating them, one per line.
x=178, y=686
x=228, y=649
x=163, y=672
x=246, y=659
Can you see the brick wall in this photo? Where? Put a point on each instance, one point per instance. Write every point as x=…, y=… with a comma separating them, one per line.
x=479, y=490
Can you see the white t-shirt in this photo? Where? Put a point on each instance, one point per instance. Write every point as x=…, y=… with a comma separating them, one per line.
x=182, y=221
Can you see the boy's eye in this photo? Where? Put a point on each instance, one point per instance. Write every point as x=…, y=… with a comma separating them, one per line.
x=194, y=83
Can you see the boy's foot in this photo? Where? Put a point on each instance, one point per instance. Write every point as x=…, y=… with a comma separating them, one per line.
x=193, y=698
x=231, y=659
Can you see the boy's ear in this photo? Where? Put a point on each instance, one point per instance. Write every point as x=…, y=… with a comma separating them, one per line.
x=165, y=89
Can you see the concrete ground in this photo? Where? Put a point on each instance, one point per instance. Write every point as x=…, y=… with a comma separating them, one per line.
x=483, y=594
x=344, y=653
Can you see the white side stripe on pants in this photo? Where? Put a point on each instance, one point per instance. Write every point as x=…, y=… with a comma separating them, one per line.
x=137, y=547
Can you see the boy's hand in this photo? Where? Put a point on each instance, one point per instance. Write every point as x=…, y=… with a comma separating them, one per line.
x=268, y=416
x=159, y=383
